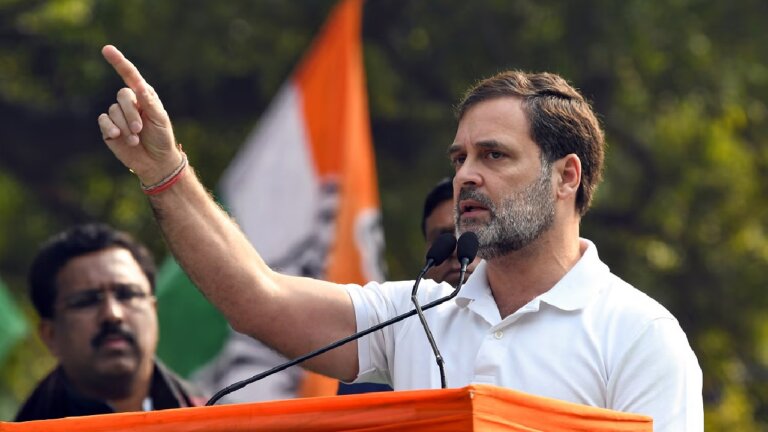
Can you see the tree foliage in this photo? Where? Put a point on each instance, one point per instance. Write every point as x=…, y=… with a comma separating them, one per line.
x=680, y=86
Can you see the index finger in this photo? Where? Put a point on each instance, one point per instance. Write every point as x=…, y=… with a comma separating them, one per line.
x=127, y=71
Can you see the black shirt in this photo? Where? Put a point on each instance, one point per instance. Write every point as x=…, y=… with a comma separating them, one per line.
x=55, y=397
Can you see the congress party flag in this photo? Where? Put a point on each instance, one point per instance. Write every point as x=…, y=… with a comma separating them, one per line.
x=303, y=186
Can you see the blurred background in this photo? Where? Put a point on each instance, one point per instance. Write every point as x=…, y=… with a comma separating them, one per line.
x=680, y=86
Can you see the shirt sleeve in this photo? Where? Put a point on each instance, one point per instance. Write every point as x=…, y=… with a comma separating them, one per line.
x=375, y=303
x=659, y=376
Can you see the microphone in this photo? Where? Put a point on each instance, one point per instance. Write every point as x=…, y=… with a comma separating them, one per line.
x=441, y=249
x=240, y=384
x=466, y=251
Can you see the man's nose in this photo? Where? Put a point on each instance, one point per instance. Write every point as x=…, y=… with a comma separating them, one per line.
x=111, y=309
x=467, y=174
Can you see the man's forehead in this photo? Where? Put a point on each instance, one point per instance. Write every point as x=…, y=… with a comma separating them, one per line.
x=491, y=120
x=100, y=269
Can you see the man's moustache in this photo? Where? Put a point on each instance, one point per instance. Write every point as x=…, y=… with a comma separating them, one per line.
x=107, y=331
x=473, y=194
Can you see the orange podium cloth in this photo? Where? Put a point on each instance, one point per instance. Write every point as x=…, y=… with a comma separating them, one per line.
x=472, y=408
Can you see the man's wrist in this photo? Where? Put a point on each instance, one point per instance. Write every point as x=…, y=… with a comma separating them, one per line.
x=161, y=172
x=167, y=181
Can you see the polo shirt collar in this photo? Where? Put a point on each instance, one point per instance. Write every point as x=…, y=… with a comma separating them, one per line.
x=573, y=292
x=580, y=285
x=475, y=288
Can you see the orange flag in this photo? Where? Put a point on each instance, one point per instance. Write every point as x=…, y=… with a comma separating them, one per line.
x=331, y=81
x=303, y=189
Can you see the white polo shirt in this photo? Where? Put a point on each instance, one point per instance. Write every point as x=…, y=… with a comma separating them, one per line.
x=591, y=339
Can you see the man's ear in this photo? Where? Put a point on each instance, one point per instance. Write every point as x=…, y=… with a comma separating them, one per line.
x=47, y=334
x=568, y=169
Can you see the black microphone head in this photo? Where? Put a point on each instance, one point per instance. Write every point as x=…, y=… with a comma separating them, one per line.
x=441, y=249
x=467, y=247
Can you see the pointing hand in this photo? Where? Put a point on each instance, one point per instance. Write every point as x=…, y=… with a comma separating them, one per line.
x=137, y=128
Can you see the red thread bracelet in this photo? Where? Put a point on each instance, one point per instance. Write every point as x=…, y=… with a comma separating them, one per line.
x=168, y=181
x=166, y=185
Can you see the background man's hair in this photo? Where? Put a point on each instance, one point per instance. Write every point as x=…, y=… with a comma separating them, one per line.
x=443, y=191
x=74, y=242
x=561, y=121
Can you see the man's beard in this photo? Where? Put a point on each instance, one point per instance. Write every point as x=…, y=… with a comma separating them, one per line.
x=520, y=219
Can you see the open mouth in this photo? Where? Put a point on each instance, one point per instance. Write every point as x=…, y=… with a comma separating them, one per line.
x=471, y=208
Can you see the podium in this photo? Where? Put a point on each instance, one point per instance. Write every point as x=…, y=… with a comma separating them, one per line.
x=473, y=408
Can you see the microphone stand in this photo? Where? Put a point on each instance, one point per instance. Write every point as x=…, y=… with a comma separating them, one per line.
x=419, y=311
x=466, y=249
x=240, y=384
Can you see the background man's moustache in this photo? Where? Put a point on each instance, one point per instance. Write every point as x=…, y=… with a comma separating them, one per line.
x=111, y=330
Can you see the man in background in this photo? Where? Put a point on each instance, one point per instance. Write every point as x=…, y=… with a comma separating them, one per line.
x=93, y=288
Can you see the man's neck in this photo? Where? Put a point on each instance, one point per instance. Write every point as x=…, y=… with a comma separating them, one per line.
x=140, y=388
x=126, y=394
x=517, y=278
x=133, y=402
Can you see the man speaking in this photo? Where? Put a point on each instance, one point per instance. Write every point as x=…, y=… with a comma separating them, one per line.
x=540, y=314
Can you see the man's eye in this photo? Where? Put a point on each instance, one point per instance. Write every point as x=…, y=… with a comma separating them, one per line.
x=125, y=294
x=85, y=301
x=495, y=155
x=458, y=160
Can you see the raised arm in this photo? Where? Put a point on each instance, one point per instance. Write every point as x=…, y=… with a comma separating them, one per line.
x=292, y=315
